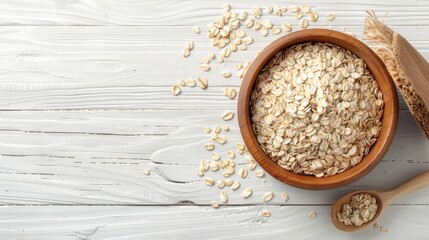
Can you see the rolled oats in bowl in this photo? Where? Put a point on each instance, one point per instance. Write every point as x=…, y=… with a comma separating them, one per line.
x=316, y=109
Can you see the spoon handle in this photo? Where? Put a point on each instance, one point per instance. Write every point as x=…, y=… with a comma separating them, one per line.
x=413, y=184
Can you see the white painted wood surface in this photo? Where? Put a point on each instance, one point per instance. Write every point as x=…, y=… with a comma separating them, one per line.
x=86, y=105
x=226, y=223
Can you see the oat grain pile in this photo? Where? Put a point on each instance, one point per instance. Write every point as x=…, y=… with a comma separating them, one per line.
x=361, y=209
x=316, y=109
x=231, y=33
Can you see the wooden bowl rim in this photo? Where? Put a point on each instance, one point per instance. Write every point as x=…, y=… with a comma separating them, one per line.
x=375, y=66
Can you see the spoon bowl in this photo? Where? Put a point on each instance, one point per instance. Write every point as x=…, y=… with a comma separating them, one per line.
x=383, y=199
x=379, y=197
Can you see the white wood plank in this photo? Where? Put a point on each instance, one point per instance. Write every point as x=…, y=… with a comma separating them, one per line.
x=191, y=12
x=114, y=223
x=117, y=67
x=98, y=157
x=125, y=98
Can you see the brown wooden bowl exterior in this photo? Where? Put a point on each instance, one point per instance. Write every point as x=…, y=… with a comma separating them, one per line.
x=389, y=118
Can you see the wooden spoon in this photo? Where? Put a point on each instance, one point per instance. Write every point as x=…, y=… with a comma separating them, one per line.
x=383, y=199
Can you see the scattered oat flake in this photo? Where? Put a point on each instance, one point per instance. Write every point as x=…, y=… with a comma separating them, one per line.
x=216, y=129
x=231, y=162
x=231, y=154
x=232, y=94
x=229, y=182
x=220, y=139
x=182, y=83
x=214, y=166
x=249, y=23
x=299, y=15
x=225, y=128
x=247, y=40
x=196, y=30
x=235, y=22
x=243, y=173
x=227, y=7
x=276, y=30
x=240, y=146
x=224, y=197
x=212, y=56
x=240, y=33
x=226, y=52
x=186, y=52
x=216, y=156
x=223, y=163
x=252, y=166
x=266, y=213
x=267, y=24
x=305, y=8
x=246, y=193
x=303, y=23
x=268, y=196
x=293, y=8
x=243, y=16
x=227, y=116
x=190, y=83
x=312, y=214
x=221, y=184
x=241, y=73
x=200, y=172
x=330, y=16
x=259, y=173
x=205, y=60
x=214, y=204
x=235, y=185
x=226, y=74
x=233, y=47
x=189, y=45
x=278, y=11
x=205, y=67
x=287, y=27
x=146, y=171
x=213, y=135
x=209, y=181
x=264, y=31
x=204, y=165
x=202, y=82
x=313, y=16
x=230, y=170
x=284, y=196
x=176, y=90
x=226, y=91
x=209, y=146
x=257, y=12
x=241, y=152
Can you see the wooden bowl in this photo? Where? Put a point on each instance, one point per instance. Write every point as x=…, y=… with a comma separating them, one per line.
x=389, y=119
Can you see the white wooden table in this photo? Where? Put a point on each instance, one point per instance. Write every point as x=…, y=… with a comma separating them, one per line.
x=86, y=105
